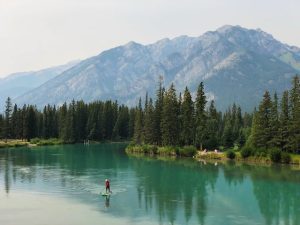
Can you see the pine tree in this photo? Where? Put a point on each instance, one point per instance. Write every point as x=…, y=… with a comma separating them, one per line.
x=169, y=120
x=7, y=122
x=284, y=121
x=46, y=123
x=131, y=123
x=187, y=112
x=274, y=124
x=120, y=130
x=138, y=124
x=1, y=127
x=14, y=122
x=81, y=120
x=228, y=136
x=294, y=128
x=71, y=132
x=200, y=116
x=237, y=126
x=262, y=127
x=110, y=111
x=62, y=121
x=212, y=127
x=149, y=129
x=30, y=123
x=158, y=114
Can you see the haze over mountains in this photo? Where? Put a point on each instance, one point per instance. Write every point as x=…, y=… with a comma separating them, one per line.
x=17, y=84
x=235, y=63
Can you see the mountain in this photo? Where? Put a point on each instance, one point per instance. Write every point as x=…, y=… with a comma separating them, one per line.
x=18, y=84
x=235, y=63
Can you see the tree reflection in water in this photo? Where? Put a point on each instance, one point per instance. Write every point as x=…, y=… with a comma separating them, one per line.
x=276, y=188
x=173, y=184
x=174, y=191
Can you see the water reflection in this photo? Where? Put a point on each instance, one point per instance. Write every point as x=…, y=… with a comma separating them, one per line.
x=163, y=184
x=107, y=201
x=275, y=187
x=164, y=191
x=277, y=190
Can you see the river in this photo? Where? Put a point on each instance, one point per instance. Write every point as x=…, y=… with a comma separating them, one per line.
x=61, y=185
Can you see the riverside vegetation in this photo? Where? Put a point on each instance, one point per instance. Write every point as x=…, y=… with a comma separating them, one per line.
x=76, y=122
x=171, y=125
x=179, y=126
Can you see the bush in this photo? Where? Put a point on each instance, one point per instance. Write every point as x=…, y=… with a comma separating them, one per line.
x=167, y=150
x=260, y=152
x=34, y=140
x=41, y=142
x=187, y=151
x=275, y=155
x=246, y=152
x=286, y=158
x=149, y=149
x=230, y=154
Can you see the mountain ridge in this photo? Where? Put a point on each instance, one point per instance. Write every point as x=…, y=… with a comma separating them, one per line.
x=16, y=84
x=225, y=59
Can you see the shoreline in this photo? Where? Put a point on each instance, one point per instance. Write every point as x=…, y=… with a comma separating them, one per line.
x=36, y=142
x=206, y=156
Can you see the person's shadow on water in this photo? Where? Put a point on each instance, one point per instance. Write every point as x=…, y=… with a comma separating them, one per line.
x=107, y=202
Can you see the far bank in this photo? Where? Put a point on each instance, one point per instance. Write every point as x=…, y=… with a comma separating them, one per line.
x=245, y=154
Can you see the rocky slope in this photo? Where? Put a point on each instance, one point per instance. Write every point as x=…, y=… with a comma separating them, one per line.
x=235, y=63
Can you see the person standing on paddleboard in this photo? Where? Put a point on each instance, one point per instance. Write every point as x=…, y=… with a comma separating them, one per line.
x=107, y=185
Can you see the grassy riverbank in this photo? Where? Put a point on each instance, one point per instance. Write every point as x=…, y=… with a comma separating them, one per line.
x=186, y=151
x=246, y=154
x=13, y=143
x=44, y=142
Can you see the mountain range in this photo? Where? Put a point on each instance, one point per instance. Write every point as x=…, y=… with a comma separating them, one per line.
x=236, y=65
x=17, y=84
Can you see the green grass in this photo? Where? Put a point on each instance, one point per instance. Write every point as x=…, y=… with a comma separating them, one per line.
x=186, y=151
x=168, y=150
x=13, y=143
x=43, y=142
x=211, y=156
x=249, y=155
x=295, y=159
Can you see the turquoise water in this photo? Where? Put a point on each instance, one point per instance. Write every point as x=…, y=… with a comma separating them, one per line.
x=61, y=185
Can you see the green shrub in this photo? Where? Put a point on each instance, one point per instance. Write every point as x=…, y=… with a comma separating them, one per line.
x=187, y=151
x=246, y=152
x=34, y=140
x=275, y=155
x=19, y=144
x=285, y=157
x=260, y=152
x=41, y=142
x=230, y=154
x=149, y=149
x=167, y=150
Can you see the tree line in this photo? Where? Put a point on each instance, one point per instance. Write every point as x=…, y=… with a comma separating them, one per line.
x=74, y=122
x=173, y=120
x=180, y=121
x=277, y=123
x=168, y=120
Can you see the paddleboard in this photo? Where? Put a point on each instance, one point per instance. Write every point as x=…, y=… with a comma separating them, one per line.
x=105, y=194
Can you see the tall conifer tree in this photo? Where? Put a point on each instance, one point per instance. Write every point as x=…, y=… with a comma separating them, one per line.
x=169, y=120
x=138, y=124
x=294, y=128
x=200, y=116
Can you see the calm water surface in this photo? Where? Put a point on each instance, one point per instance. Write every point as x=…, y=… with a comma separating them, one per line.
x=61, y=185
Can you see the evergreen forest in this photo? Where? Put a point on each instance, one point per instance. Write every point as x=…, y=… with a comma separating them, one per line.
x=167, y=120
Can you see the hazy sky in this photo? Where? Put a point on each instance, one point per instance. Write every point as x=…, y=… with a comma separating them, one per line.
x=36, y=34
